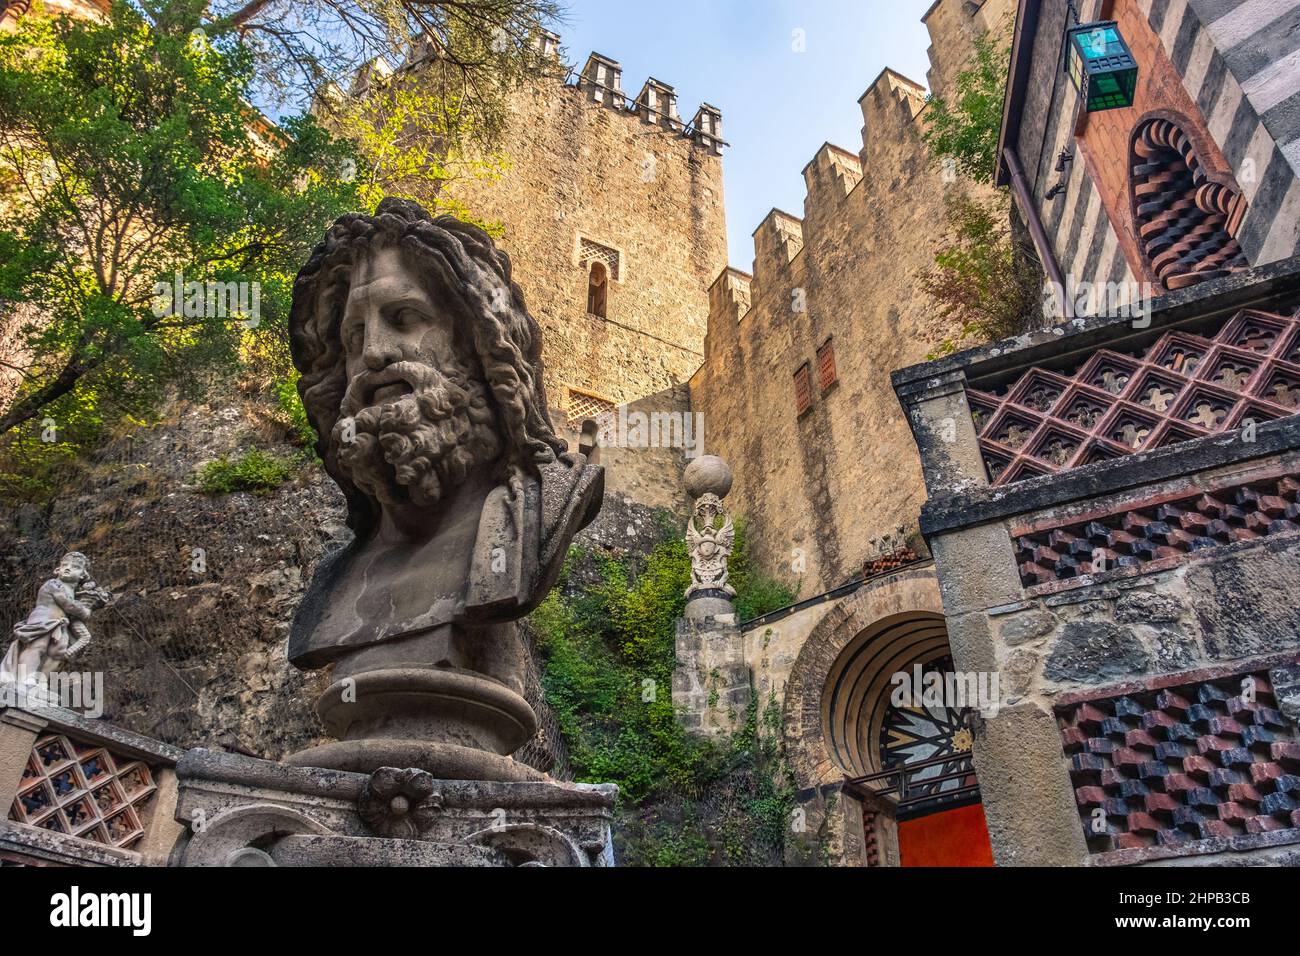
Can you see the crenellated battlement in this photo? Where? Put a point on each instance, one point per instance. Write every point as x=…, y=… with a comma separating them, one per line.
x=797, y=356
x=893, y=112
x=777, y=240
x=833, y=170
x=730, y=293
x=730, y=298
x=600, y=81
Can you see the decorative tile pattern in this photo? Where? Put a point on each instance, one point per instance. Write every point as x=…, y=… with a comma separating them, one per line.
x=1185, y=222
x=1165, y=529
x=84, y=791
x=1204, y=760
x=589, y=252
x=1180, y=387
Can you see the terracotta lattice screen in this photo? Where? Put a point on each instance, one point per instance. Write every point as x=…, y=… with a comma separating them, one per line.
x=85, y=791
x=1162, y=767
x=826, y=373
x=1115, y=403
x=584, y=405
x=1158, y=532
x=589, y=252
x=802, y=389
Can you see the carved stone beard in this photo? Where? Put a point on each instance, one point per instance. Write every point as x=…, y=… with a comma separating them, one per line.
x=416, y=448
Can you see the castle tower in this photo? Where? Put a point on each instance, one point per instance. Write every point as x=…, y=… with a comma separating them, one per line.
x=613, y=215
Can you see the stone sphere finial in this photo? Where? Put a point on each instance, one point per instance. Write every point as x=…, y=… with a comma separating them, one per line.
x=707, y=474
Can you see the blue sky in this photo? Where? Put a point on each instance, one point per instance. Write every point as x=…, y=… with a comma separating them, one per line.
x=778, y=106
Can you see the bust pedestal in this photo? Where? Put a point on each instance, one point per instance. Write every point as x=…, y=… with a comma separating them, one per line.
x=407, y=704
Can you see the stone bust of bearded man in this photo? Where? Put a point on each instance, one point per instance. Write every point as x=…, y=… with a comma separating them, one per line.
x=420, y=369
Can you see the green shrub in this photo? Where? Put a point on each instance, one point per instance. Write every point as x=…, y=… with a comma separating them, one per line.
x=255, y=471
x=290, y=403
x=607, y=635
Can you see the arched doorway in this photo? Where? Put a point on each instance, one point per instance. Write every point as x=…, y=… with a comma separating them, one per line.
x=903, y=761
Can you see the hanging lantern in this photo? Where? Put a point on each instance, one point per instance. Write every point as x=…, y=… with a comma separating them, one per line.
x=1100, y=65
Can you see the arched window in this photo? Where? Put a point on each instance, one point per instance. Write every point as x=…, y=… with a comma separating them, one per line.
x=597, y=289
x=1185, y=220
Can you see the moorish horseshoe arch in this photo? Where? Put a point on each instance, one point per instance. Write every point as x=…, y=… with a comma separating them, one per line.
x=906, y=610
x=1185, y=214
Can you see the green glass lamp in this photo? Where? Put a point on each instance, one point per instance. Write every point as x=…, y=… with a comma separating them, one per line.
x=1100, y=65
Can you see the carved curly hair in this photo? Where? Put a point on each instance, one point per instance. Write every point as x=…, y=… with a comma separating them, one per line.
x=473, y=277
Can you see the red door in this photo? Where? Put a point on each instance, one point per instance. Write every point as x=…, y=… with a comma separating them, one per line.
x=948, y=838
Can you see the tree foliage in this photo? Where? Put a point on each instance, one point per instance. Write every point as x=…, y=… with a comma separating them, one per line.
x=608, y=637
x=982, y=282
x=132, y=163
x=964, y=130
x=474, y=49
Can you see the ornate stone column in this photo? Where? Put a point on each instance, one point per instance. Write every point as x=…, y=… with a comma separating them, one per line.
x=711, y=683
x=709, y=538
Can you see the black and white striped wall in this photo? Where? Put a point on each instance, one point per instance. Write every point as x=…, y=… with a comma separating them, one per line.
x=1240, y=62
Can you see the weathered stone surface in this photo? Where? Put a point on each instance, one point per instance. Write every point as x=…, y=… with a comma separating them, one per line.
x=1138, y=607
x=1247, y=605
x=1175, y=649
x=1030, y=810
x=707, y=475
x=243, y=811
x=1094, y=652
x=1019, y=672
x=1022, y=628
x=711, y=682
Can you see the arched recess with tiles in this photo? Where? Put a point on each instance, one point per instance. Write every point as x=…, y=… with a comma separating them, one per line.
x=1186, y=212
x=840, y=724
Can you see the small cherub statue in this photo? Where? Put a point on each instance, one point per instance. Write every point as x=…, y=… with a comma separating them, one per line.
x=56, y=629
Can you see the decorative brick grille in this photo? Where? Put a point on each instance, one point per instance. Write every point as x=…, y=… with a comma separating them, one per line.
x=584, y=405
x=1184, y=221
x=802, y=389
x=1165, y=529
x=826, y=374
x=1200, y=760
x=85, y=791
x=589, y=252
x=1181, y=387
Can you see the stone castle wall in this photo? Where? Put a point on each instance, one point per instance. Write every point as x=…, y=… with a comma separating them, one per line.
x=582, y=166
x=817, y=486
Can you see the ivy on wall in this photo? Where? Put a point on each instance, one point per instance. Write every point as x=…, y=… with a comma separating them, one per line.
x=607, y=636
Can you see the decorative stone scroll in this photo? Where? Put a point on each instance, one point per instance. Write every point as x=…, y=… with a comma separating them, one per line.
x=1245, y=368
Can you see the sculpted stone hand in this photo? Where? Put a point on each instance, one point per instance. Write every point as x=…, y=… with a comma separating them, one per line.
x=421, y=373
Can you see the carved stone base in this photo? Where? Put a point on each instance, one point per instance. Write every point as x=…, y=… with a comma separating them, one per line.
x=242, y=811
x=447, y=701
x=711, y=683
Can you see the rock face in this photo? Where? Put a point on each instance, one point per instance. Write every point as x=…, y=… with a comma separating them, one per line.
x=1094, y=652
x=192, y=649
